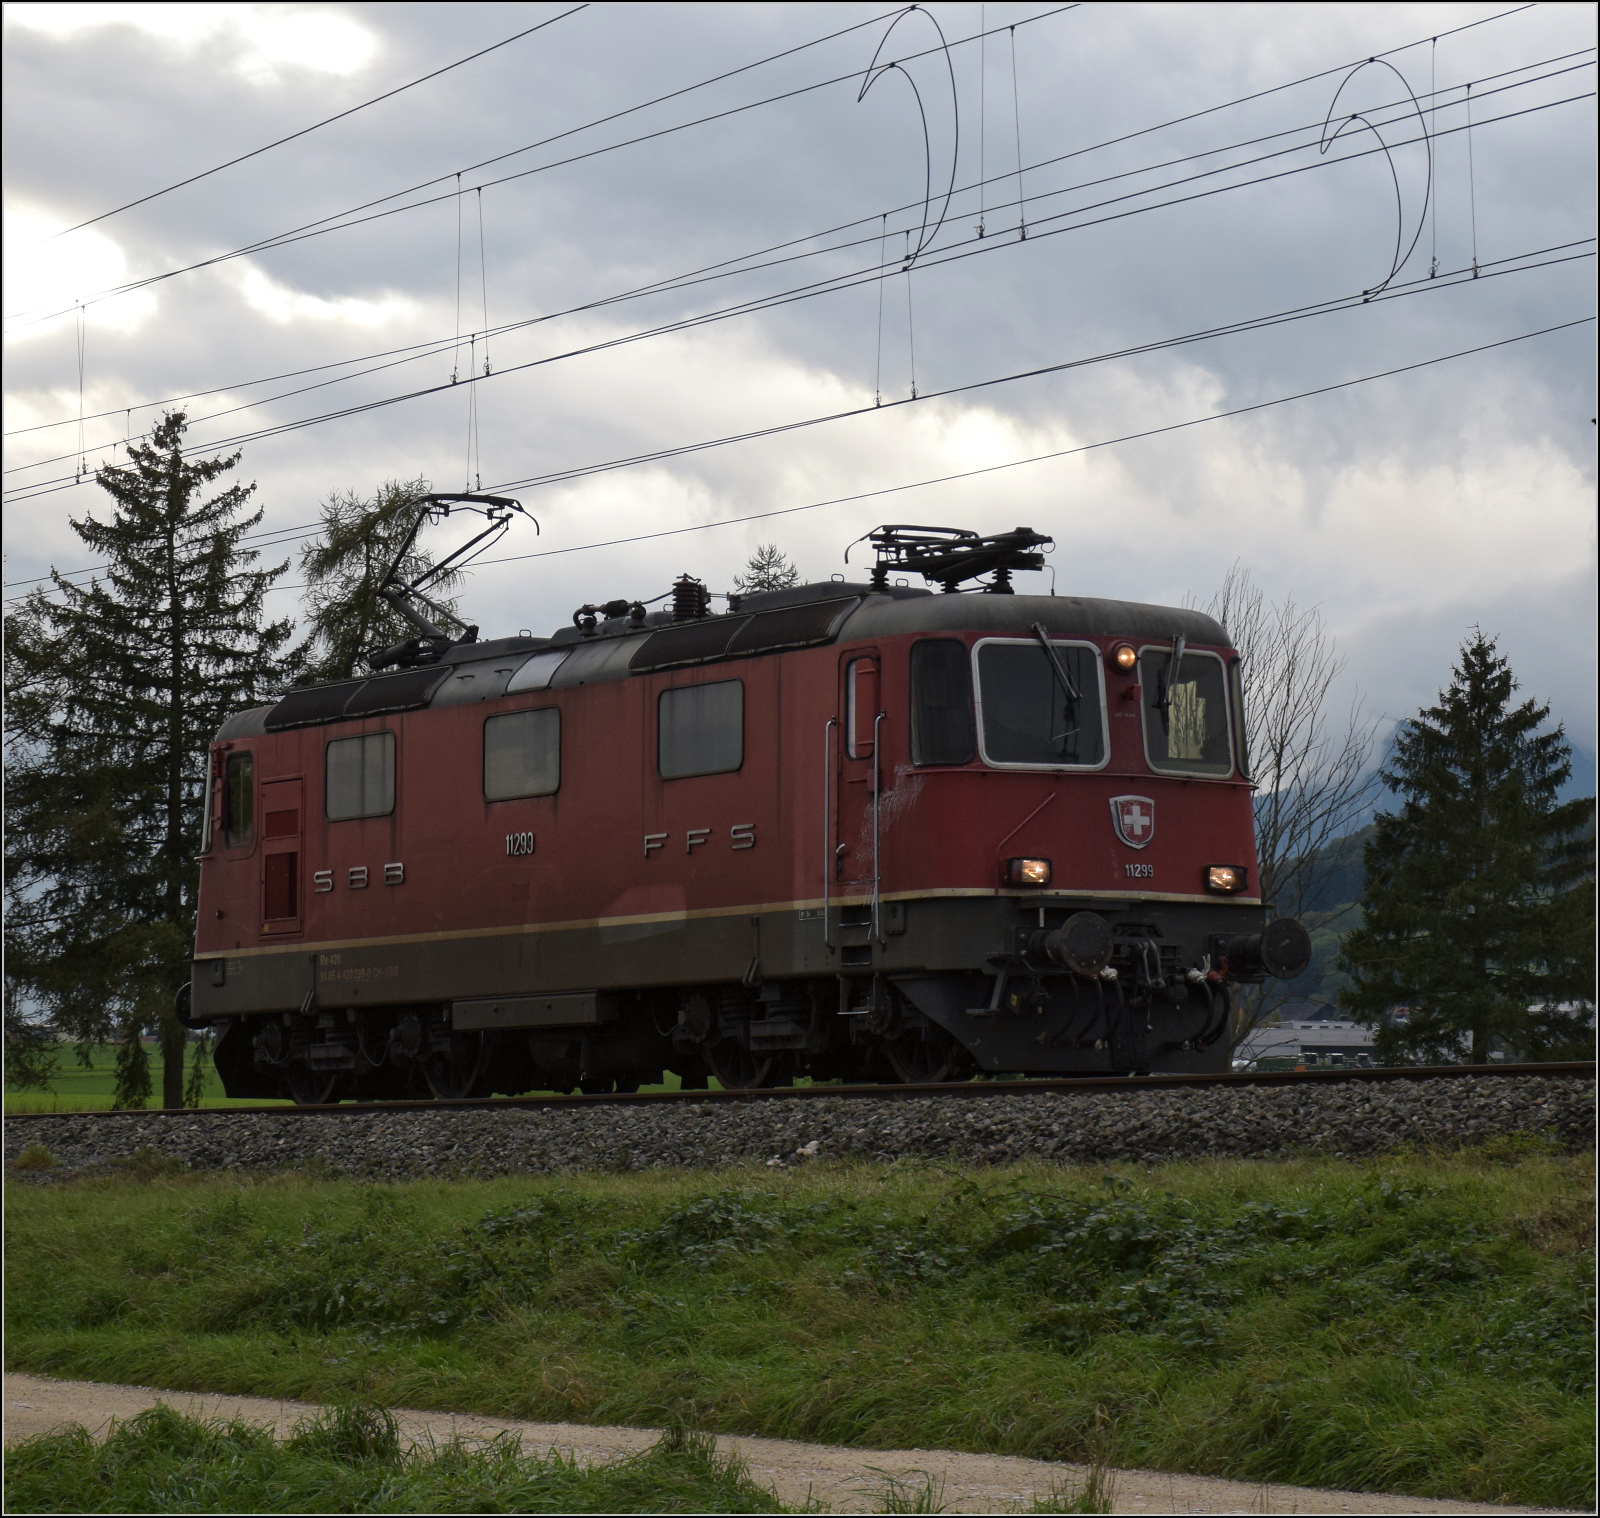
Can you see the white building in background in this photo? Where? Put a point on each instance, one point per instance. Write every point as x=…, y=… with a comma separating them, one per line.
x=1316, y=1042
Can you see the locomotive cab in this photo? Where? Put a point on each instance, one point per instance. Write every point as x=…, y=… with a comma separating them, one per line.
x=847, y=830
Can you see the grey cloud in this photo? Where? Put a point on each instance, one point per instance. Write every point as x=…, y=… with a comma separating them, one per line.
x=112, y=111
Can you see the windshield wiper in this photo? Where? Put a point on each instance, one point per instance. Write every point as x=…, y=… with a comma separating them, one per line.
x=1070, y=711
x=1056, y=664
x=1163, y=701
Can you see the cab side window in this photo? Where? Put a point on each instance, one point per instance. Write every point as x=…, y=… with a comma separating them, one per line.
x=522, y=754
x=360, y=777
x=700, y=729
x=238, y=803
x=942, y=729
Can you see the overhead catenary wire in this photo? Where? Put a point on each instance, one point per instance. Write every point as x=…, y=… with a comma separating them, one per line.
x=1038, y=458
x=318, y=228
x=1352, y=302
x=730, y=266
x=805, y=292
x=318, y=125
x=338, y=221
x=830, y=285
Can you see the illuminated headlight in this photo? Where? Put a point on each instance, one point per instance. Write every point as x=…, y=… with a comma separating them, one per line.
x=1028, y=872
x=1227, y=879
x=1124, y=657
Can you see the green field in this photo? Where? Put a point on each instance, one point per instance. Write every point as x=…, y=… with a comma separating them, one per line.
x=1422, y=1324
x=76, y=1089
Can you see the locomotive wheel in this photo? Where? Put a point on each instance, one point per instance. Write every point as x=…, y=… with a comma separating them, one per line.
x=460, y=1073
x=313, y=1088
x=737, y=1069
x=924, y=1057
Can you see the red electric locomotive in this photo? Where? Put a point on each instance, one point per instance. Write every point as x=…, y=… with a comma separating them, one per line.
x=850, y=830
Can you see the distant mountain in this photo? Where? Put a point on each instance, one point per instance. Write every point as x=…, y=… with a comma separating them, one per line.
x=1344, y=878
x=1581, y=781
x=1330, y=912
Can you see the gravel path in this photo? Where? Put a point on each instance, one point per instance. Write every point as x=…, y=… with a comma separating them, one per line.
x=844, y=1480
x=1073, y=1127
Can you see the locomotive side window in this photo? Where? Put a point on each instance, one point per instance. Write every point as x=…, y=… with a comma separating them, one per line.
x=1185, y=715
x=360, y=777
x=208, y=799
x=1038, y=710
x=700, y=729
x=860, y=706
x=1241, y=734
x=522, y=754
x=942, y=728
x=239, y=801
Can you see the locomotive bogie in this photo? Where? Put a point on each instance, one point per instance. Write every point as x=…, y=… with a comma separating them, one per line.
x=843, y=833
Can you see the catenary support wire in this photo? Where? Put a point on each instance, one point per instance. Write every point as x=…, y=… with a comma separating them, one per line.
x=1016, y=119
x=1433, y=132
x=80, y=391
x=983, y=115
x=483, y=278
x=455, y=352
x=1472, y=186
x=877, y=375
x=911, y=326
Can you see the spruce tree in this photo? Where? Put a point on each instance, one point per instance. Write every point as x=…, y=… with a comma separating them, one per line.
x=1479, y=899
x=768, y=568
x=114, y=692
x=345, y=617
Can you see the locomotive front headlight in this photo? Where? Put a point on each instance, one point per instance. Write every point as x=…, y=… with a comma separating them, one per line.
x=1227, y=879
x=1028, y=872
x=1124, y=657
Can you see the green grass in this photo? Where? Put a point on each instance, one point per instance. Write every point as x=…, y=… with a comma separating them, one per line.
x=350, y=1459
x=1420, y=1325
x=76, y=1089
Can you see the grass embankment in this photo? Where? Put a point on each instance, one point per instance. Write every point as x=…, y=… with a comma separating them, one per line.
x=1418, y=1325
x=351, y=1460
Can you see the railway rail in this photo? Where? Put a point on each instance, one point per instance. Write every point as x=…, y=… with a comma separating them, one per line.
x=964, y=1089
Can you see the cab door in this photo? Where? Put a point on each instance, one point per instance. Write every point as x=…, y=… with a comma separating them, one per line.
x=858, y=776
x=281, y=828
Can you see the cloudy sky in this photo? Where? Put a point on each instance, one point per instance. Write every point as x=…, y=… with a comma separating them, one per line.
x=1176, y=176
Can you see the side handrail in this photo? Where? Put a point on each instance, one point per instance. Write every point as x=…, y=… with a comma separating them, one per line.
x=827, y=826
x=876, y=790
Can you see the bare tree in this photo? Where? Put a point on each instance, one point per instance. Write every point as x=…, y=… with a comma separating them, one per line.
x=1309, y=762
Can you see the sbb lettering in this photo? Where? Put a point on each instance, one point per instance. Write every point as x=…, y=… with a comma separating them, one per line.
x=742, y=835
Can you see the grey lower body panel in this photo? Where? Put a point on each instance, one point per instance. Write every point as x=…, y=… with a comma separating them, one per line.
x=943, y=955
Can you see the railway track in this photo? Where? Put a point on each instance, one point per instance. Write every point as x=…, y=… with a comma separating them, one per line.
x=969, y=1090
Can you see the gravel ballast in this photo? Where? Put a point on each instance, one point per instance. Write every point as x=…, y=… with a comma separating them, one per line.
x=1357, y=1118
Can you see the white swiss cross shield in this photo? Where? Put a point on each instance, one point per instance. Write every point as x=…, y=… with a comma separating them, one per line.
x=1135, y=819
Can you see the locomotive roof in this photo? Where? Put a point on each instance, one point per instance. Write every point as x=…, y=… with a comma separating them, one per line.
x=767, y=622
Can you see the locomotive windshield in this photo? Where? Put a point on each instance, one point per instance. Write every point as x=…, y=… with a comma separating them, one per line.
x=1039, y=710
x=1185, y=718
